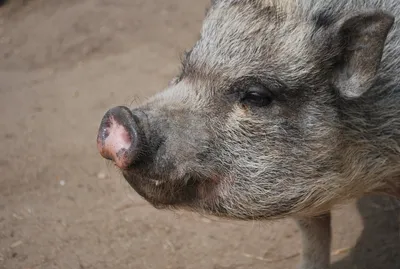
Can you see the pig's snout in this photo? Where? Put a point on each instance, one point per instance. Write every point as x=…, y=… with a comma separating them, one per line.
x=118, y=138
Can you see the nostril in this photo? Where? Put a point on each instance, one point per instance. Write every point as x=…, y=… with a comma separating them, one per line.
x=104, y=130
x=118, y=138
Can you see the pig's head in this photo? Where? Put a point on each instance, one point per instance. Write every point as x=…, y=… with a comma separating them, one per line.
x=251, y=127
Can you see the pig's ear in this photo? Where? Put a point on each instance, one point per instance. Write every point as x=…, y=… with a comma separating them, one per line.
x=361, y=40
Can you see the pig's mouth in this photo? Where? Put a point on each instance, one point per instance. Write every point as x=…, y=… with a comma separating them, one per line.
x=188, y=191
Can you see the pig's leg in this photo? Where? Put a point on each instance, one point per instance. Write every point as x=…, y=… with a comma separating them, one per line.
x=316, y=239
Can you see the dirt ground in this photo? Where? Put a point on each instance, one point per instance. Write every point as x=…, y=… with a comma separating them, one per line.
x=63, y=64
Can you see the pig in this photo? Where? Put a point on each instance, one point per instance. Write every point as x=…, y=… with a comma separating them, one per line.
x=282, y=108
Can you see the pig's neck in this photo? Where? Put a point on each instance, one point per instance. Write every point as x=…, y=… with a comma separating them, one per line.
x=371, y=139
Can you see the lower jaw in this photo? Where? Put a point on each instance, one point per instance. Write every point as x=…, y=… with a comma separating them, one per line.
x=189, y=191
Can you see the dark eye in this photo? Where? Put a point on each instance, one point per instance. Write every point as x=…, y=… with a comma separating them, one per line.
x=257, y=95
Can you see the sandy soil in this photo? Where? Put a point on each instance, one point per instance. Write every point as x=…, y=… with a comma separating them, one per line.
x=62, y=64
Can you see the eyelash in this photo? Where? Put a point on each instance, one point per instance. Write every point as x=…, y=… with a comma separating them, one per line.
x=257, y=95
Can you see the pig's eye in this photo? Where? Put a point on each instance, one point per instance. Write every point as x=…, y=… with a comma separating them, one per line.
x=257, y=95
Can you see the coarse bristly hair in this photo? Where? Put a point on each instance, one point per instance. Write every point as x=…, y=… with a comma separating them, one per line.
x=309, y=150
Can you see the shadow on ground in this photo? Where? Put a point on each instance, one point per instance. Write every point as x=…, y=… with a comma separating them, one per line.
x=378, y=247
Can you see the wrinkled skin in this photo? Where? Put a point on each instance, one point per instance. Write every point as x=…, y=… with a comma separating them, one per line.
x=210, y=149
x=282, y=108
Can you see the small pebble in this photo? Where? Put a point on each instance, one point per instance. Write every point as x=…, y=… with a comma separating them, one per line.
x=101, y=175
x=62, y=182
x=205, y=220
x=17, y=216
x=16, y=244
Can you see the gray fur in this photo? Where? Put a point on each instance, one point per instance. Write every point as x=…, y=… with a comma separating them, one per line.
x=310, y=149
